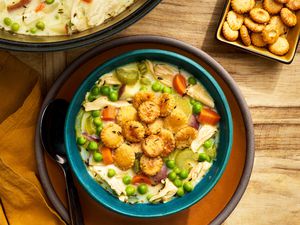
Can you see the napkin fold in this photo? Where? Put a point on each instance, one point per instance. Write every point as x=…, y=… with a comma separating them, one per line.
x=22, y=200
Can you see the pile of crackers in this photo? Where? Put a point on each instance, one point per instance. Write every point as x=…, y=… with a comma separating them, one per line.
x=261, y=23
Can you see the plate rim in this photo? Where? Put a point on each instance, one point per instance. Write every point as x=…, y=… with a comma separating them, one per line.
x=243, y=183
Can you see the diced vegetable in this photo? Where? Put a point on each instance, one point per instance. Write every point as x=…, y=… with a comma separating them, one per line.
x=138, y=179
x=179, y=84
x=186, y=159
x=203, y=157
x=111, y=173
x=130, y=190
x=208, y=116
x=180, y=192
x=142, y=189
x=92, y=146
x=18, y=5
x=107, y=155
x=109, y=113
x=188, y=186
x=40, y=7
x=172, y=176
x=81, y=140
x=127, y=76
x=97, y=156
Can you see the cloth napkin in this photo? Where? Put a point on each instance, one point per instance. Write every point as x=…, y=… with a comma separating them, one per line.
x=22, y=201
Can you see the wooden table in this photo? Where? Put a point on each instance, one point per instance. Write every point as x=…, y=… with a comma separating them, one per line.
x=272, y=91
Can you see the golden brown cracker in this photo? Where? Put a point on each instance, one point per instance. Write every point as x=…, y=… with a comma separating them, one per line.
x=270, y=34
x=288, y=17
x=259, y=15
x=272, y=7
x=251, y=25
x=257, y=40
x=242, y=6
x=293, y=5
x=246, y=39
x=280, y=47
x=228, y=33
x=235, y=20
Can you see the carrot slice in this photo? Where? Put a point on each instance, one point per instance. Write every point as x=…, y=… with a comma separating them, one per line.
x=208, y=116
x=109, y=113
x=18, y=5
x=179, y=83
x=107, y=155
x=40, y=7
x=87, y=1
x=137, y=179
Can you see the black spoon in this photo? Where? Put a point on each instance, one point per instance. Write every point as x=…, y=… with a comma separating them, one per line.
x=52, y=138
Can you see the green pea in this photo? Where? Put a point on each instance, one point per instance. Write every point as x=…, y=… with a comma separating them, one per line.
x=142, y=189
x=143, y=88
x=105, y=90
x=176, y=170
x=99, y=129
x=130, y=190
x=167, y=90
x=92, y=146
x=197, y=107
x=49, y=2
x=81, y=140
x=203, y=157
x=145, y=81
x=177, y=182
x=97, y=156
x=208, y=144
x=95, y=91
x=96, y=113
x=170, y=164
x=15, y=27
x=188, y=186
x=172, y=176
x=156, y=86
x=126, y=179
x=33, y=30
x=40, y=25
x=149, y=196
x=7, y=21
x=91, y=97
x=113, y=96
x=192, y=101
x=97, y=121
x=111, y=173
x=180, y=192
x=183, y=174
x=192, y=80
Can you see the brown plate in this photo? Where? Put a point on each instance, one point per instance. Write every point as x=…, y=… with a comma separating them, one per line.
x=216, y=206
x=293, y=37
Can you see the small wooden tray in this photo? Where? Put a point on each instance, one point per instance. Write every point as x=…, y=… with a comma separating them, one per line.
x=217, y=205
x=293, y=37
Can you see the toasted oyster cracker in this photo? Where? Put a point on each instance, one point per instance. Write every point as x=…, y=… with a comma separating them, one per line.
x=235, y=20
x=148, y=111
x=153, y=146
x=133, y=131
x=184, y=137
x=111, y=135
x=258, y=4
x=151, y=166
x=167, y=104
x=257, y=40
x=124, y=157
x=278, y=24
x=259, y=15
x=242, y=6
x=126, y=113
x=293, y=5
x=169, y=142
x=288, y=17
x=228, y=33
x=272, y=7
x=254, y=27
x=245, y=35
x=270, y=34
x=141, y=97
x=280, y=47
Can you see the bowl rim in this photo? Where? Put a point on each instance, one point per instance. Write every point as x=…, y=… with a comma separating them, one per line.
x=174, y=43
x=101, y=35
x=93, y=77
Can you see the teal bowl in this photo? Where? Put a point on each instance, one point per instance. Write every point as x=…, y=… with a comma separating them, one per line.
x=178, y=204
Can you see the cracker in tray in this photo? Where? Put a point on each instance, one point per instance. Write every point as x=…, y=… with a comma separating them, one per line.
x=280, y=47
x=265, y=23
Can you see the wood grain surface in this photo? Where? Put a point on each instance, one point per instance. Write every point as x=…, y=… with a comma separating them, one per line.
x=272, y=91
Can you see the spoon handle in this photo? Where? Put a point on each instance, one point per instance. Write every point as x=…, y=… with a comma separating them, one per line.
x=73, y=199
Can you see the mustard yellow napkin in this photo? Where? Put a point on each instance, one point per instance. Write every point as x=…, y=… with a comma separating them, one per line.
x=22, y=200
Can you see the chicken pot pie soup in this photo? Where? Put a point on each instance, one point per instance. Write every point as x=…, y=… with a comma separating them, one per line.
x=57, y=17
x=148, y=132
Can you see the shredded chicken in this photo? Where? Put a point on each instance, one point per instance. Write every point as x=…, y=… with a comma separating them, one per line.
x=204, y=133
x=198, y=172
x=199, y=93
x=166, y=193
x=101, y=102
